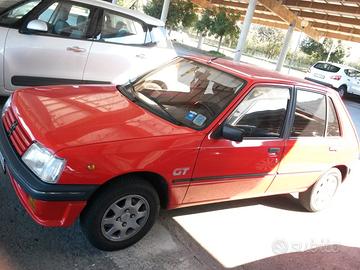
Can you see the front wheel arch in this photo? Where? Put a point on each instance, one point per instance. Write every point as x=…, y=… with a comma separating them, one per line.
x=125, y=217
x=157, y=181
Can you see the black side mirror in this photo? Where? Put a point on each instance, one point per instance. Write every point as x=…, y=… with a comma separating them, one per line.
x=233, y=133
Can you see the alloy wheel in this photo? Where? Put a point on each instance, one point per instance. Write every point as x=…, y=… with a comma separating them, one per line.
x=125, y=218
x=325, y=191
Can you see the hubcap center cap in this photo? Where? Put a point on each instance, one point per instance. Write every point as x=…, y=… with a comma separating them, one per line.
x=125, y=217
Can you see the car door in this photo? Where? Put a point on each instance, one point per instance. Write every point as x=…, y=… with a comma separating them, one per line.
x=355, y=82
x=356, y=85
x=228, y=169
x=123, y=49
x=56, y=56
x=310, y=149
x=350, y=80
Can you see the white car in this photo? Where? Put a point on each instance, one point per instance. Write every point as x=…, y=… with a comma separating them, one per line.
x=343, y=78
x=51, y=42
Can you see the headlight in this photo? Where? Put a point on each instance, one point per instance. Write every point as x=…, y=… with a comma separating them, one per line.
x=6, y=106
x=43, y=163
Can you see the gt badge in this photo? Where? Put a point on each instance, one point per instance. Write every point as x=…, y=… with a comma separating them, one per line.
x=181, y=171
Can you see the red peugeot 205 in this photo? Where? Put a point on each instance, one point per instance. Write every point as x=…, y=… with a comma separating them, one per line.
x=191, y=132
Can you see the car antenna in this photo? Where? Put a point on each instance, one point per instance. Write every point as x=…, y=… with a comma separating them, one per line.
x=212, y=59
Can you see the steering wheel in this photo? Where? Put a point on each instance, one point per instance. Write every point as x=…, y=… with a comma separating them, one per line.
x=205, y=106
x=158, y=85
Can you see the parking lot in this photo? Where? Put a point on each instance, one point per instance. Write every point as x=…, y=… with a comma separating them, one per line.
x=232, y=235
x=60, y=147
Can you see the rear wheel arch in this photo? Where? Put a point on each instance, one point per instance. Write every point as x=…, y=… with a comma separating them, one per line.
x=344, y=171
x=342, y=90
x=320, y=194
x=344, y=85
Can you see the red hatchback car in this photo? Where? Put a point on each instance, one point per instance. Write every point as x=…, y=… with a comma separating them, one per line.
x=191, y=132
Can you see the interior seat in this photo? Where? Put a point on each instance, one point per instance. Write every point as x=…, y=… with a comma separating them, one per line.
x=81, y=26
x=61, y=26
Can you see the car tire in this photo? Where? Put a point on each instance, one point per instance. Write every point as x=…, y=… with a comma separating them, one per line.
x=319, y=195
x=342, y=90
x=121, y=214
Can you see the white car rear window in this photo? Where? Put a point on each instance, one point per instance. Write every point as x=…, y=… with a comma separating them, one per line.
x=327, y=67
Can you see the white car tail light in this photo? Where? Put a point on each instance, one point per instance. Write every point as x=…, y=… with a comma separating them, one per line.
x=336, y=77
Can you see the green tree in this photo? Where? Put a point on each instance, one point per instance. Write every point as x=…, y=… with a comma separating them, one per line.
x=224, y=24
x=267, y=41
x=319, y=51
x=204, y=24
x=181, y=13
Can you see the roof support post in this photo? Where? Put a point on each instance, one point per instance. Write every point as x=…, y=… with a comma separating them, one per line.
x=245, y=29
x=201, y=41
x=165, y=10
x=330, y=51
x=285, y=47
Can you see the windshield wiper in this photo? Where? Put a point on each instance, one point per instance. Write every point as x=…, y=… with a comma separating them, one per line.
x=164, y=110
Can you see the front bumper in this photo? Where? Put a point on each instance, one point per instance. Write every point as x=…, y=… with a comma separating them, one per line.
x=48, y=204
x=46, y=213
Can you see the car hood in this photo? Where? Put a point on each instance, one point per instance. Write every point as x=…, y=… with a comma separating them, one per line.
x=68, y=116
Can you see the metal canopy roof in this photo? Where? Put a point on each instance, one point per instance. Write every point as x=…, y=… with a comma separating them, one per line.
x=317, y=18
x=338, y=19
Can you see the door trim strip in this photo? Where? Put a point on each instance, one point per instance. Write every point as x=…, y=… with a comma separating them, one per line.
x=43, y=81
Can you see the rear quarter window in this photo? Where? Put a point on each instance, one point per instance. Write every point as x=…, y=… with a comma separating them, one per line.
x=327, y=67
x=333, y=127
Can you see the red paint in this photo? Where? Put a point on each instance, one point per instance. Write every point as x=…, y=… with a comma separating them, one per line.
x=50, y=214
x=97, y=125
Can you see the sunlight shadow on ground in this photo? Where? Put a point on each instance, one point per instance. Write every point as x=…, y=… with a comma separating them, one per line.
x=325, y=257
x=236, y=233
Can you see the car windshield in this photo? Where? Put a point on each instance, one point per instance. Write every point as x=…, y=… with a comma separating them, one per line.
x=18, y=12
x=185, y=92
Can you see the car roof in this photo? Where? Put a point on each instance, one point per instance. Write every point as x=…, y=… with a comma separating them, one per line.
x=255, y=73
x=336, y=64
x=133, y=13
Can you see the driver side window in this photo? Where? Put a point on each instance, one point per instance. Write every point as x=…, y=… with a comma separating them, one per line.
x=262, y=113
x=66, y=19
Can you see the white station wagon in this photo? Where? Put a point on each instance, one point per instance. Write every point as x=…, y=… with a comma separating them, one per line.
x=51, y=42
